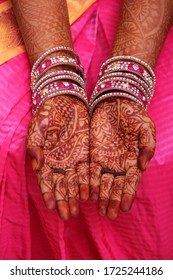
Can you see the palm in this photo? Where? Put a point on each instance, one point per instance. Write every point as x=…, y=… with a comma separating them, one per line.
x=61, y=129
x=122, y=139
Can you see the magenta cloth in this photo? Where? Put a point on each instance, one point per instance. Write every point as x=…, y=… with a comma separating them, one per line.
x=27, y=229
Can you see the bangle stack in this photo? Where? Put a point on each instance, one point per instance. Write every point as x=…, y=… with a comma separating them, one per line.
x=124, y=76
x=47, y=83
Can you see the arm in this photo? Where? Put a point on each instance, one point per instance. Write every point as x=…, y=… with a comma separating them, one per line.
x=143, y=28
x=44, y=24
x=58, y=136
x=122, y=133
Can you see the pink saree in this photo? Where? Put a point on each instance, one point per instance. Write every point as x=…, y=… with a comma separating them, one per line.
x=27, y=229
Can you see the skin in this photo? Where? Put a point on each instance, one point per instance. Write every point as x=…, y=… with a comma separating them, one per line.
x=44, y=24
x=59, y=138
x=122, y=135
x=125, y=143
x=58, y=134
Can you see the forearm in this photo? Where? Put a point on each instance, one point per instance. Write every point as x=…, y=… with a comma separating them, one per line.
x=44, y=24
x=143, y=28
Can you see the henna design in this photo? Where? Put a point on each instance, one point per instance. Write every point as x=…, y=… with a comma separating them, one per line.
x=60, y=129
x=122, y=138
x=59, y=186
x=142, y=28
x=83, y=171
x=117, y=188
x=106, y=186
x=44, y=24
x=10, y=36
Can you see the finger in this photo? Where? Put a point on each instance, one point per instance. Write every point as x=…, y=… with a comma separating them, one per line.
x=73, y=191
x=95, y=180
x=115, y=197
x=83, y=175
x=105, y=191
x=61, y=196
x=44, y=177
x=132, y=180
x=147, y=143
x=37, y=157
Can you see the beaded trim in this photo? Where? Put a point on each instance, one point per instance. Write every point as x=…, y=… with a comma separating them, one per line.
x=132, y=68
x=129, y=75
x=38, y=74
x=65, y=74
x=114, y=94
x=48, y=95
x=52, y=50
x=124, y=76
x=130, y=59
x=122, y=84
x=63, y=82
x=51, y=79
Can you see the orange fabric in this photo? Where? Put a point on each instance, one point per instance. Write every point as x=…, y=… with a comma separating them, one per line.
x=77, y=8
x=11, y=43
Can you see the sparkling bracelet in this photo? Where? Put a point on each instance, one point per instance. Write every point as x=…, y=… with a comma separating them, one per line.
x=131, y=68
x=134, y=62
x=124, y=76
x=54, y=50
x=47, y=65
x=50, y=84
x=120, y=83
x=47, y=95
x=55, y=78
x=130, y=76
x=114, y=94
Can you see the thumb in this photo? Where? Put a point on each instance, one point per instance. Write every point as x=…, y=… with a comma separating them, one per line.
x=147, y=143
x=37, y=157
x=145, y=155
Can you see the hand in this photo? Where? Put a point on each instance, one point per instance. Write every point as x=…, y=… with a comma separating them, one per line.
x=122, y=139
x=58, y=143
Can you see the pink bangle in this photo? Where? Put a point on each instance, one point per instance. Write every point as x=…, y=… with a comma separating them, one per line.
x=55, y=86
x=47, y=95
x=61, y=82
x=135, y=66
x=130, y=76
x=132, y=68
x=53, y=50
x=55, y=76
x=119, y=83
x=124, y=76
x=48, y=65
x=114, y=94
x=121, y=87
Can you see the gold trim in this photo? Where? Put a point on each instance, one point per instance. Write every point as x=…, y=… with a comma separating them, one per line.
x=77, y=7
x=11, y=43
x=5, y=6
x=6, y=55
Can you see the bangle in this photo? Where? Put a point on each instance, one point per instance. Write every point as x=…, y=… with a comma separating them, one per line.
x=120, y=83
x=113, y=94
x=124, y=76
x=134, y=64
x=60, y=82
x=53, y=50
x=55, y=76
